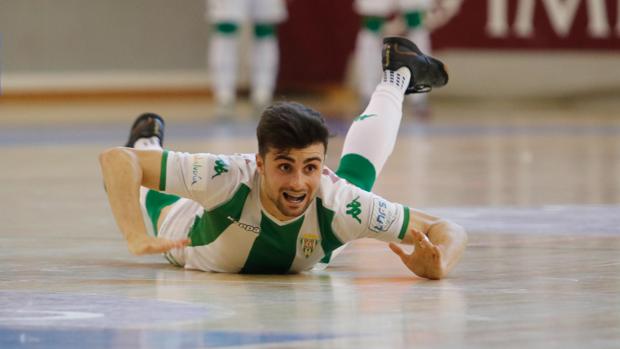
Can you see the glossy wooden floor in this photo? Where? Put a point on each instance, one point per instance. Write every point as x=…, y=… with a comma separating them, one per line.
x=536, y=185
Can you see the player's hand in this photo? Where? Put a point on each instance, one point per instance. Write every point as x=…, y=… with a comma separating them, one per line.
x=153, y=245
x=425, y=260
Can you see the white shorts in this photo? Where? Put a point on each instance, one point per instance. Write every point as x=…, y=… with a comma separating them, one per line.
x=177, y=224
x=386, y=7
x=258, y=11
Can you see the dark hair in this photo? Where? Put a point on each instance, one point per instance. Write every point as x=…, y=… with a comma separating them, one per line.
x=287, y=125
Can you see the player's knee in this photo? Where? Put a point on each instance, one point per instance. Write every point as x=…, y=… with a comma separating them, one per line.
x=265, y=30
x=226, y=28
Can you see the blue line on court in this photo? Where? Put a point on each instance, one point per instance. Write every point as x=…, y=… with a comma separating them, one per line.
x=14, y=338
x=116, y=134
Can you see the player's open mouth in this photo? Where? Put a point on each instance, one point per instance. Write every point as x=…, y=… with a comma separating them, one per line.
x=294, y=198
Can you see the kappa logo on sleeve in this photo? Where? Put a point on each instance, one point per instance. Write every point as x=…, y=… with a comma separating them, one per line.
x=354, y=209
x=383, y=215
x=220, y=167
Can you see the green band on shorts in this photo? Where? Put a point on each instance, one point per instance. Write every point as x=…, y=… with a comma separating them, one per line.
x=226, y=27
x=403, y=229
x=373, y=23
x=262, y=31
x=162, y=172
x=358, y=171
x=414, y=19
x=155, y=202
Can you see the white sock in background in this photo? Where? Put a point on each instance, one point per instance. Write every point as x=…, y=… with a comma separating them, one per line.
x=223, y=61
x=368, y=55
x=264, y=63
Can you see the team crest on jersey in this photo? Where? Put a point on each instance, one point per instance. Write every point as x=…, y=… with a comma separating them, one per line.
x=383, y=215
x=308, y=243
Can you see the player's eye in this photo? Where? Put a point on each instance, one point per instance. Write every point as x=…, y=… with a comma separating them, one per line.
x=311, y=168
x=284, y=167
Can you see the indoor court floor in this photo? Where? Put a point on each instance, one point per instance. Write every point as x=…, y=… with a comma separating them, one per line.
x=536, y=186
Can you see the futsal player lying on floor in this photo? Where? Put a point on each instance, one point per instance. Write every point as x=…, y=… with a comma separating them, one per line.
x=280, y=210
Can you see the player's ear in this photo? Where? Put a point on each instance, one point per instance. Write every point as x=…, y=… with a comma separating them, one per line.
x=260, y=164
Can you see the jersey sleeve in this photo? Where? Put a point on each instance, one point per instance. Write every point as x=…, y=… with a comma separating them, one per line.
x=208, y=179
x=359, y=214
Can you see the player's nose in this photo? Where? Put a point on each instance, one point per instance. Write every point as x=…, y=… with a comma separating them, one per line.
x=297, y=181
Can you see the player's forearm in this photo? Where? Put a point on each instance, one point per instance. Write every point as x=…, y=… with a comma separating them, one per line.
x=122, y=176
x=451, y=239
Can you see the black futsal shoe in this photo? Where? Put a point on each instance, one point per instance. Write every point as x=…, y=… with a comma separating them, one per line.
x=426, y=72
x=146, y=125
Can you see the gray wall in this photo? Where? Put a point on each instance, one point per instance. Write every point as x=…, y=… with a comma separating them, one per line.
x=42, y=36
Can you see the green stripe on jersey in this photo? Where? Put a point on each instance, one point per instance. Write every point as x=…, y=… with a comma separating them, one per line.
x=213, y=223
x=357, y=170
x=329, y=240
x=403, y=229
x=275, y=248
x=162, y=173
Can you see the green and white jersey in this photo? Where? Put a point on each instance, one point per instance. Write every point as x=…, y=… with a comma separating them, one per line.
x=235, y=234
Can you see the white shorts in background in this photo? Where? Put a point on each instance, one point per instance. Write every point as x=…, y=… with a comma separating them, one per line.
x=258, y=11
x=386, y=7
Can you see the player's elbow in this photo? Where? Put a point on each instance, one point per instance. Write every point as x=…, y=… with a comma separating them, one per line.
x=116, y=160
x=111, y=156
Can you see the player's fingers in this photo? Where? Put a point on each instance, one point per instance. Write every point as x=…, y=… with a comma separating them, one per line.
x=399, y=251
x=418, y=238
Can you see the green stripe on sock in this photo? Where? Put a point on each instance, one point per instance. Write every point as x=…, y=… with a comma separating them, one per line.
x=358, y=171
x=155, y=202
x=403, y=229
x=226, y=27
x=264, y=30
x=373, y=23
x=162, y=173
x=414, y=19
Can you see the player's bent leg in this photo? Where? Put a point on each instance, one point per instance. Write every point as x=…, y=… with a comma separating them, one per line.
x=372, y=136
x=147, y=132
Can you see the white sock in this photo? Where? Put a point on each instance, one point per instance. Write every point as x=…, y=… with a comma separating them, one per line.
x=147, y=143
x=223, y=61
x=373, y=134
x=368, y=55
x=265, y=60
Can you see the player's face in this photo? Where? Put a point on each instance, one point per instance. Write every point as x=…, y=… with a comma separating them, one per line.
x=290, y=179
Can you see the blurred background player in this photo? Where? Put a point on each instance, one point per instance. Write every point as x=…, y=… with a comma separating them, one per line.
x=226, y=18
x=374, y=15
